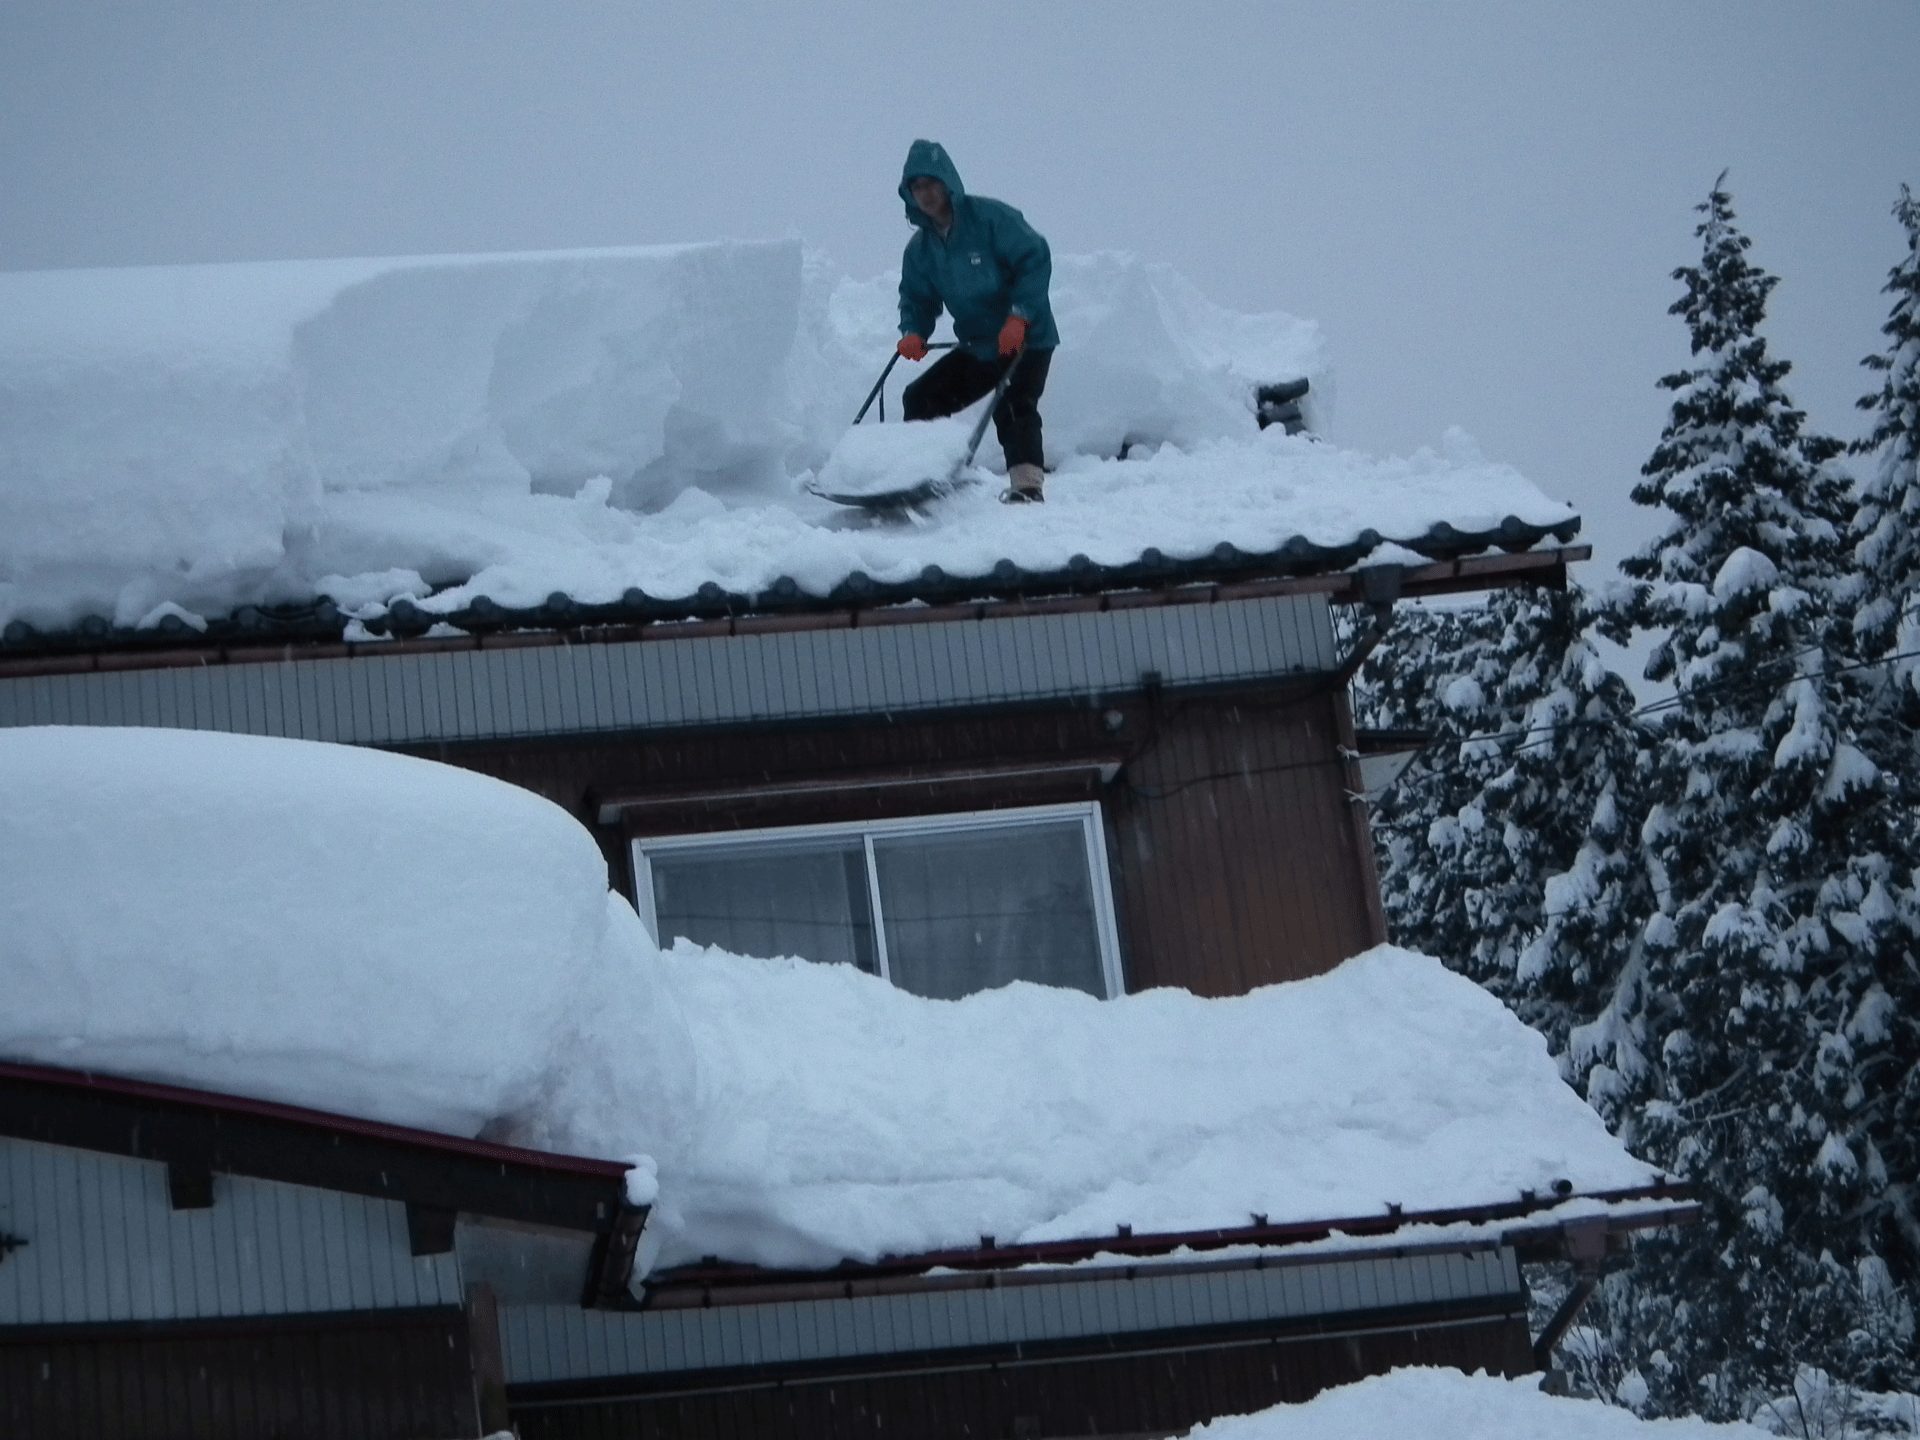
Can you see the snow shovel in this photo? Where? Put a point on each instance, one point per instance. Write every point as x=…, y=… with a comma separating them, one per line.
x=924, y=488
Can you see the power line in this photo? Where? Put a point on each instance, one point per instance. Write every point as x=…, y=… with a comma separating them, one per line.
x=1532, y=735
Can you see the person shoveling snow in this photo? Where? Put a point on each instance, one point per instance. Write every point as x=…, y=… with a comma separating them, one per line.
x=982, y=261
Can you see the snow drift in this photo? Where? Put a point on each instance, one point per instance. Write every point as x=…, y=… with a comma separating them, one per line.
x=845, y=1117
x=213, y=436
x=316, y=924
x=389, y=937
x=1446, y=1405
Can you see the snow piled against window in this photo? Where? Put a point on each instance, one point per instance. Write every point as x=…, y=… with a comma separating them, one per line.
x=589, y=422
x=388, y=937
x=1447, y=1405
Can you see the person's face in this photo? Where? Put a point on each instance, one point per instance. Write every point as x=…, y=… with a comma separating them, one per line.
x=929, y=194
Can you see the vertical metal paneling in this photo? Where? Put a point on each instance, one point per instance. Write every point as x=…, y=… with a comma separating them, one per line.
x=507, y=690
x=558, y=1342
x=1106, y=1389
x=104, y=1244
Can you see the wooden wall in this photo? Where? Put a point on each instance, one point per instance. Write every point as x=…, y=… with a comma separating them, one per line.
x=397, y=1375
x=1237, y=858
x=1129, y=1394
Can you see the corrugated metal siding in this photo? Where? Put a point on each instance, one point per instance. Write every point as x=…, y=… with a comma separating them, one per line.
x=1161, y=1392
x=104, y=1244
x=714, y=680
x=386, y=1376
x=553, y=1342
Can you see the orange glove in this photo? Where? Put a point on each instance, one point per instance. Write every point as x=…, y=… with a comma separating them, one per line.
x=912, y=347
x=1013, y=335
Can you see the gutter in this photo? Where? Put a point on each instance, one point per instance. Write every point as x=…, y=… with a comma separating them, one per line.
x=985, y=1266
x=1380, y=586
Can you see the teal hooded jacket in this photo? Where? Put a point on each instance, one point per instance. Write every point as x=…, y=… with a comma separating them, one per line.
x=990, y=264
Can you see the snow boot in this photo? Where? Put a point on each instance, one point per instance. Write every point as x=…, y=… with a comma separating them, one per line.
x=1024, y=484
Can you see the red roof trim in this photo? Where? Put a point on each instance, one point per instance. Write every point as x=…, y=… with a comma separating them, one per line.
x=991, y=1256
x=214, y=1102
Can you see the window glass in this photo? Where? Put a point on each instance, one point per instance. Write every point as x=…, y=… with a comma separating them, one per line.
x=968, y=910
x=806, y=898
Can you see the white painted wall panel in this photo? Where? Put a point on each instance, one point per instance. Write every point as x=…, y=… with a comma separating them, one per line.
x=104, y=1244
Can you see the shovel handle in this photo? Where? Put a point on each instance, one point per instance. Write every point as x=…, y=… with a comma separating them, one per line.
x=999, y=393
x=878, y=385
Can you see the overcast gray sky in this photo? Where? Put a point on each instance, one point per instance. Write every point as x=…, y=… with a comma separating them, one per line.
x=1480, y=203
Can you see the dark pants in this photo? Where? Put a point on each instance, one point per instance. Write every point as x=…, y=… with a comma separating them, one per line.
x=958, y=379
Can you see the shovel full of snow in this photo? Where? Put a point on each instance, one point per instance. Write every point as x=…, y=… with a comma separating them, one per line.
x=885, y=467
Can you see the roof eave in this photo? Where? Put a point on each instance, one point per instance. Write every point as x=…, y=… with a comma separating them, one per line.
x=81, y=653
x=1527, y=1224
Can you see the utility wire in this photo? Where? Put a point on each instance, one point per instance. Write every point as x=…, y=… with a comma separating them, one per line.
x=1532, y=735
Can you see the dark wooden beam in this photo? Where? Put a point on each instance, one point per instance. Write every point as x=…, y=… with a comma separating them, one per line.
x=610, y=1269
x=189, y=1185
x=198, y=1134
x=429, y=1230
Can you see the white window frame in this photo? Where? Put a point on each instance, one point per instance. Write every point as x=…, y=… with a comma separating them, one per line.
x=1087, y=812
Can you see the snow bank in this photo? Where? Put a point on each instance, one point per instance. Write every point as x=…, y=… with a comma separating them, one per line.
x=1256, y=493
x=1823, y=1406
x=316, y=924
x=1447, y=1405
x=389, y=937
x=1033, y=1114
x=590, y=422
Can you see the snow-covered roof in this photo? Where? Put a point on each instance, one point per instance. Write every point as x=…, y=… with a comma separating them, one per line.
x=612, y=436
x=417, y=944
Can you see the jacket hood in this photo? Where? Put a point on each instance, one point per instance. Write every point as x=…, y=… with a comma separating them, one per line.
x=928, y=157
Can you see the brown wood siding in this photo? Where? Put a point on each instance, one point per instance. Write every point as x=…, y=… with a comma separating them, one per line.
x=1233, y=847
x=1160, y=1392
x=372, y=1376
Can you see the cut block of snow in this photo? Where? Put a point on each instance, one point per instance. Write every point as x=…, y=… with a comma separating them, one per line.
x=873, y=459
x=167, y=434
x=515, y=425
x=1447, y=1405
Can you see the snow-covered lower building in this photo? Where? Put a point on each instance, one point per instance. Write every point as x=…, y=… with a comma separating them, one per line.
x=1023, y=784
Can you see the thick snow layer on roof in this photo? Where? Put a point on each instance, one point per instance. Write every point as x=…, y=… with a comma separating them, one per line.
x=594, y=422
x=393, y=938
x=321, y=925
x=1035, y=1114
x=1447, y=1405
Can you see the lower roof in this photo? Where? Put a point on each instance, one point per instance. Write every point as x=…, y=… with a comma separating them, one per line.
x=198, y=1133
x=1539, y=1227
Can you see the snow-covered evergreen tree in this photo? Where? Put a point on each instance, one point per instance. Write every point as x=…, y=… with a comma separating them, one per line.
x=1886, y=688
x=1569, y=797
x=1747, y=1044
x=1507, y=848
x=1887, y=622
x=1434, y=676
